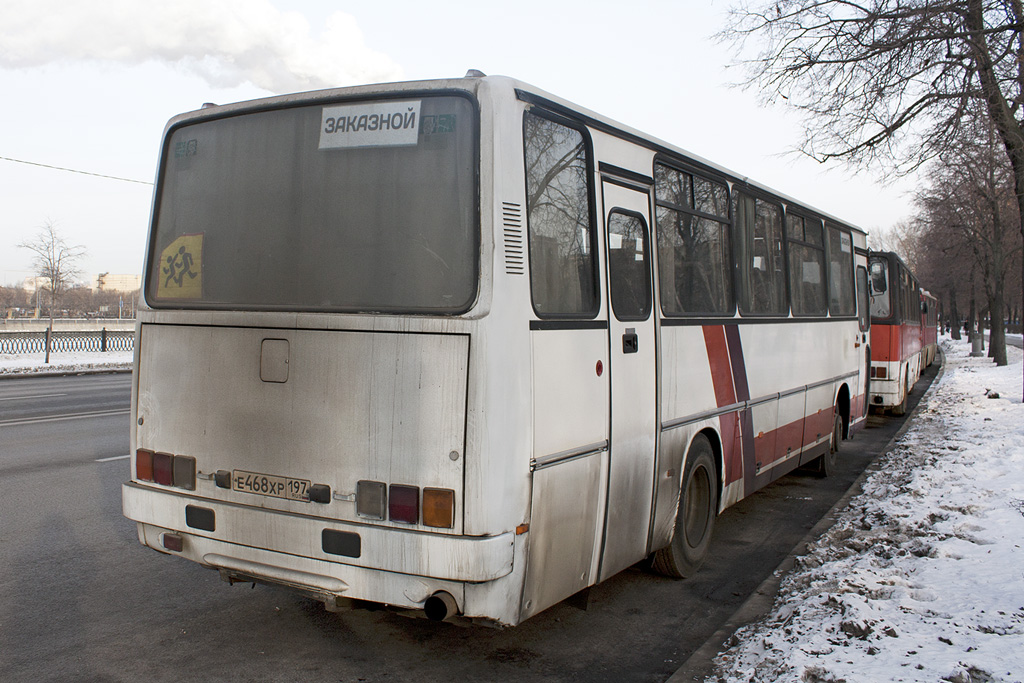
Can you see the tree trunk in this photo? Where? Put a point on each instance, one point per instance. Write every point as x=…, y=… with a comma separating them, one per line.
x=981, y=328
x=997, y=340
x=972, y=312
x=954, y=315
x=998, y=106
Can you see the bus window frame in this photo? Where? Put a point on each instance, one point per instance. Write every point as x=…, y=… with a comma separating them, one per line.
x=805, y=216
x=852, y=280
x=152, y=264
x=682, y=166
x=588, y=145
x=754, y=194
x=648, y=267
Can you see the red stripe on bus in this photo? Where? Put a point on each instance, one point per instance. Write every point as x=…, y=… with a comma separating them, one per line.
x=725, y=395
x=721, y=368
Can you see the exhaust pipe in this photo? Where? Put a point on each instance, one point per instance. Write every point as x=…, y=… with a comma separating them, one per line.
x=440, y=606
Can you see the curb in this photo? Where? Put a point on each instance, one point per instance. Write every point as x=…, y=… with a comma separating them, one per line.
x=761, y=600
x=64, y=373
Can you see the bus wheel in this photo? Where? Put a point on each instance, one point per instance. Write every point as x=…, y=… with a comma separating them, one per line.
x=695, y=519
x=827, y=462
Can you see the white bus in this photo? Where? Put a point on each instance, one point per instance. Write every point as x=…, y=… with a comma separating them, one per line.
x=462, y=347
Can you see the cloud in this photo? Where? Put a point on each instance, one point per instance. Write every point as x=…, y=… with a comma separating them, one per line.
x=225, y=42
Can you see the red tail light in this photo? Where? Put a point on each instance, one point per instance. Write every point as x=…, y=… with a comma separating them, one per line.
x=162, y=468
x=404, y=504
x=144, y=465
x=172, y=542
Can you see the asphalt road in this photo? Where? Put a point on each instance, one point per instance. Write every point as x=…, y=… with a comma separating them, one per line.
x=82, y=600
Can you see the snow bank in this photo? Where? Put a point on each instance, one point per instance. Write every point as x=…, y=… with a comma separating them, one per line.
x=922, y=577
x=62, y=363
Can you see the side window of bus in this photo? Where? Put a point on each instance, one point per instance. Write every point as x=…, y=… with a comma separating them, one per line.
x=757, y=243
x=913, y=305
x=863, y=299
x=694, y=259
x=806, y=265
x=563, y=272
x=904, y=309
x=629, y=276
x=841, y=299
x=881, y=293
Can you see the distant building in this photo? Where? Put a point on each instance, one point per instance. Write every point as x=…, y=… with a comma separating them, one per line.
x=109, y=282
x=31, y=284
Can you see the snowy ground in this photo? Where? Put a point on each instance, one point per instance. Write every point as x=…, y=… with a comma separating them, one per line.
x=61, y=363
x=922, y=577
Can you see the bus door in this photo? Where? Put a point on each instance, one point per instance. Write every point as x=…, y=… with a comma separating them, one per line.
x=632, y=380
x=863, y=344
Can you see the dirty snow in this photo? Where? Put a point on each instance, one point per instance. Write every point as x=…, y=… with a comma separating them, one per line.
x=64, y=363
x=922, y=576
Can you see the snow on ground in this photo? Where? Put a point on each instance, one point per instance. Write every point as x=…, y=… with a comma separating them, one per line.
x=61, y=363
x=922, y=576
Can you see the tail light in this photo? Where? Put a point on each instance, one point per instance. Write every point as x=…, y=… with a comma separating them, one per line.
x=173, y=542
x=404, y=504
x=183, y=469
x=439, y=508
x=144, y=465
x=162, y=472
x=166, y=469
x=371, y=499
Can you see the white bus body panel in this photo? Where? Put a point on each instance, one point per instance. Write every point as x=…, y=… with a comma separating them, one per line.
x=356, y=406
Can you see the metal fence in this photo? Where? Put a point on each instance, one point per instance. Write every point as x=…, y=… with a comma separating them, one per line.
x=64, y=342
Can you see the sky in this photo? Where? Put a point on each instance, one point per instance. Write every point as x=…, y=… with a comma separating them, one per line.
x=89, y=86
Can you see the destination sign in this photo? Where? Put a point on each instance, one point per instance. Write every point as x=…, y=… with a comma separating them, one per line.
x=375, y=124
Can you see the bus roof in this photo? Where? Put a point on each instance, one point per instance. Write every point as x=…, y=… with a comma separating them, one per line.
x=523, y=91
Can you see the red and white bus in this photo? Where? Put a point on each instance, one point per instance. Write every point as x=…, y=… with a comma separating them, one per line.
x=466, y=348
x=903, y=331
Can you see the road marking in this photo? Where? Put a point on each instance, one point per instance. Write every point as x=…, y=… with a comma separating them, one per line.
x=59, y=418
x=116, y=457
x=28, y=396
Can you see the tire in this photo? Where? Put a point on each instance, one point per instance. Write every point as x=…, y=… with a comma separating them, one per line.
x=826, y=464
x=695, y=517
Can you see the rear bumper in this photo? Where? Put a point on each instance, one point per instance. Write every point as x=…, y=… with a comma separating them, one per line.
x=394, y=566
x=885, y=393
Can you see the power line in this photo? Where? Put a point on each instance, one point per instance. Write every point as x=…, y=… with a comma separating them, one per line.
x=72, y=170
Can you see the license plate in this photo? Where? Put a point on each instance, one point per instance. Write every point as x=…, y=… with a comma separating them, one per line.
x=270, y=485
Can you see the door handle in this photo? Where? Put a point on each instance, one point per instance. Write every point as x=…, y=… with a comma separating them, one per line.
x=630, y=342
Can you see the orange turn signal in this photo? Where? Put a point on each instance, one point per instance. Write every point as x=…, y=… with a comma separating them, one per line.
x=439, y=508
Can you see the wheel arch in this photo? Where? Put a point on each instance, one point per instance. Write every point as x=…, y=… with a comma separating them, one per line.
x=715, y=439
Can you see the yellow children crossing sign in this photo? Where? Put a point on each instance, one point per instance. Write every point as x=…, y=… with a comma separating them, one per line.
x=181, y=269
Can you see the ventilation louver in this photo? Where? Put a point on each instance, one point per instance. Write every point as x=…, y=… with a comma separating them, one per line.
x=512, y=222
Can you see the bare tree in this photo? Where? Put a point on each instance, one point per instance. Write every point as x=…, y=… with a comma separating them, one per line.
x=968, y=212
x=12, y=297
x=55, y=262
x=891, y=82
